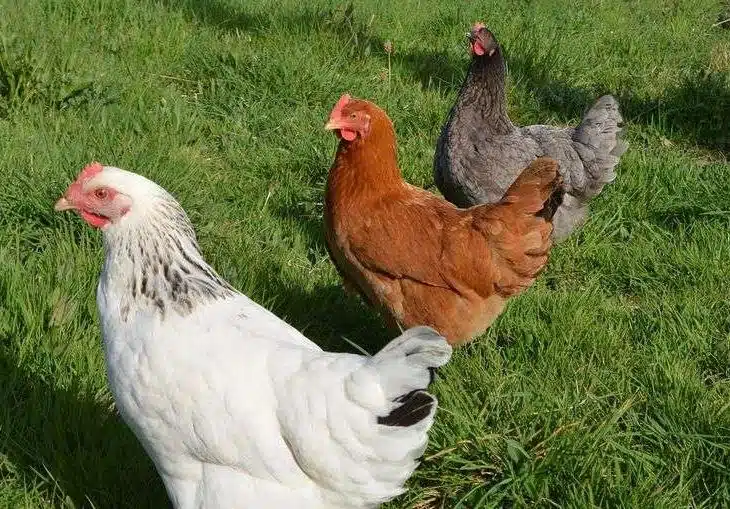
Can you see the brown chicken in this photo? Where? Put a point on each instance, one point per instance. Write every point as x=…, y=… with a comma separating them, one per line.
x=414, y=255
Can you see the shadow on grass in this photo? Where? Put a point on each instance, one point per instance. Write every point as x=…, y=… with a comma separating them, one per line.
x=75, y=443
x=340, y=20
x=675, y=218
x=325, y=313
x=436, y=70
x=220, y=15
x=694, y=111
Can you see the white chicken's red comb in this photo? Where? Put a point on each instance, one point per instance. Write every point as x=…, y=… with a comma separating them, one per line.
x=90, y=171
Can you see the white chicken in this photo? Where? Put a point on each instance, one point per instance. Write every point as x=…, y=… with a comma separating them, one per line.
x=235, y=407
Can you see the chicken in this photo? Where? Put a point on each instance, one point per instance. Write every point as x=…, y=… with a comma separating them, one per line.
x=415, y=256
x=480, y=152
x=235, y=407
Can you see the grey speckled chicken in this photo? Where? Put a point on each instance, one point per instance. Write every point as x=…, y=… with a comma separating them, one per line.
x=480, y=152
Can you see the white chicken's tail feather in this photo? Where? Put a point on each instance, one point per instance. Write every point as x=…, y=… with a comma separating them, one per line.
x=598, y=142
x=393, y=383
x=380, y=428
x=406, y=367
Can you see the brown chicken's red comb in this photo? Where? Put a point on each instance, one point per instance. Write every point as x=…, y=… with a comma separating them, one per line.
x=337, y=110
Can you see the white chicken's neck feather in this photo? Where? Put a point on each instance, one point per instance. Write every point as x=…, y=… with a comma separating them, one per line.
x=153, y=261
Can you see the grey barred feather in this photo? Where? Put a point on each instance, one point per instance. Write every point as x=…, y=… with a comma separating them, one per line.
x=480, y=152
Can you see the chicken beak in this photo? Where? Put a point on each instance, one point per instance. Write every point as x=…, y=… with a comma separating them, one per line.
x=333, y=124
x=63, y=204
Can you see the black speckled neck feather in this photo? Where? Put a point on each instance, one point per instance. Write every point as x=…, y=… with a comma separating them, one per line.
x=158, y=265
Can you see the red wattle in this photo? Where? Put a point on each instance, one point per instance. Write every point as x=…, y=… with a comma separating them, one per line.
x=94, y=220
x=348, y=134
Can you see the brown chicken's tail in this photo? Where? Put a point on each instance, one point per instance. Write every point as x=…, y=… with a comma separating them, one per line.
x=537, y=191
x=518, y=228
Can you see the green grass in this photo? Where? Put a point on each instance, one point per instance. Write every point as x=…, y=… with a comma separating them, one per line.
x=607, y=384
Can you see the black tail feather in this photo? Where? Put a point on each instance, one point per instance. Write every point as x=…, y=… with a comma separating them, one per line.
x=552, y=204
x=417, y=405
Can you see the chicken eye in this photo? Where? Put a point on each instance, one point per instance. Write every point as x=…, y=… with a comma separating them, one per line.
x=101, y=193
x=353, y=116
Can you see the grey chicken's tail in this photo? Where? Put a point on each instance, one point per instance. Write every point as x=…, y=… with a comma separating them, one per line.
x=598, y=142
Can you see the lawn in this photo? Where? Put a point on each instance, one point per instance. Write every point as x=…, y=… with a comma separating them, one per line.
x=607, y=384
